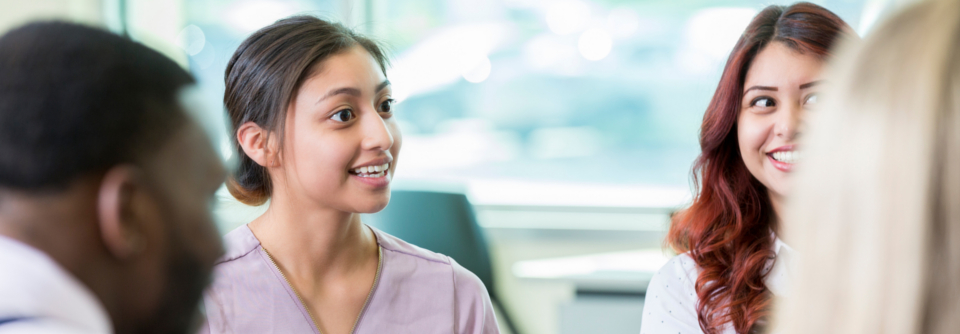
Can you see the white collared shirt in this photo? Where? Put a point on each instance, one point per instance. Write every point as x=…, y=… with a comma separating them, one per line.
x=670, y=305
x=38, y=296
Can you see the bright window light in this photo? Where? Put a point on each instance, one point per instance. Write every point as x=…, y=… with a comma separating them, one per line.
x=251, y=15
x=478, y=70
x=595, y=44
x=714, y=31
x=567, y=17
x=191, y=40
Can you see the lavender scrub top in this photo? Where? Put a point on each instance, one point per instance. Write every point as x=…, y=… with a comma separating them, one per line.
x=418, y=291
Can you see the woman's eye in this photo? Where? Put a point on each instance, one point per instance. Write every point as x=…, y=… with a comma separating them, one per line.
x=344, y=115
x=763, y=102
x=386, y=106
x=811, y=100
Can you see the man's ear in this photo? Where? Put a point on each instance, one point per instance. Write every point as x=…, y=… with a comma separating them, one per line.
x=256, y=144
x=120, y=227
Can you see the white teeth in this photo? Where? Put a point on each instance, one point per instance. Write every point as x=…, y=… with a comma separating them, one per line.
x=790, y=157
x=372, y=171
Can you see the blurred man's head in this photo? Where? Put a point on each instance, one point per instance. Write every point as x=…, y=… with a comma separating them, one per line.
x=102, y=169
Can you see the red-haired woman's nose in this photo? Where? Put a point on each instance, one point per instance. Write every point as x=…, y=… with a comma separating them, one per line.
x=790, y=123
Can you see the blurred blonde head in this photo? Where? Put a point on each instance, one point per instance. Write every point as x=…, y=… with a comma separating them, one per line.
x=876, y=217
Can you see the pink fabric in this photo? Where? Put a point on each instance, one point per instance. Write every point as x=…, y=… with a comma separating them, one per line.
x=419, y=291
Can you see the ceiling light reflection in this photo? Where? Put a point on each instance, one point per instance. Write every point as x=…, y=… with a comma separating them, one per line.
x=567, y=16
x=595, y=44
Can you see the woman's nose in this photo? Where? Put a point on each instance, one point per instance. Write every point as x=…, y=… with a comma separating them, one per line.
x=376, y=136
x=790, y=124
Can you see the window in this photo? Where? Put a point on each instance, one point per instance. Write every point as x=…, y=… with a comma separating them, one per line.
x=527, y=101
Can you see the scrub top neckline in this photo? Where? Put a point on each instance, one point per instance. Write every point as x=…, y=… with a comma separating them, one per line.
x=299, y=300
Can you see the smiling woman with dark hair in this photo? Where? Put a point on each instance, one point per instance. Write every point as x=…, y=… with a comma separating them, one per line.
x=732, y=260
x=313, y=121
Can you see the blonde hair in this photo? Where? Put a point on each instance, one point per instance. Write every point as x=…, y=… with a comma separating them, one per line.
x=876, y=212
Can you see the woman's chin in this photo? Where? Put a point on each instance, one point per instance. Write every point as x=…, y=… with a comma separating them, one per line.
x=777, y=182
x=371, y=205
x=780, y=188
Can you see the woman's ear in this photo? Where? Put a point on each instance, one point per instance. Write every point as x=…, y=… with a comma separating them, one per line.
x=256, y=144
x=122, y=230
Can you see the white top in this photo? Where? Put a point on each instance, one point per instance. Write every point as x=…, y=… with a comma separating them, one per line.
x=670, y=305
x=37, y=296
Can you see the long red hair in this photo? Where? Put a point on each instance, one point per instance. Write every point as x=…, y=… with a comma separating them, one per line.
x=728, y=228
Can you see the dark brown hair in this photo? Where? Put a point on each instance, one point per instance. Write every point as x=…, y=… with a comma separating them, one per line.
x=263, y=76
x=76, y=100
x=727, y=229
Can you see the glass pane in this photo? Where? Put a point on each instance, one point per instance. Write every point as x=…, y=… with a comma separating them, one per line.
x=573, y=92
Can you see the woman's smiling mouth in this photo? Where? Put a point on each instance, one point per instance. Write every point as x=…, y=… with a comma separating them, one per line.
x=371, y=171
x=784, y=157
x=377, y=176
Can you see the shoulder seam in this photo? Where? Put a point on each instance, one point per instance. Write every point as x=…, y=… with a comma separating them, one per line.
x=224, y=260
x=419, y=256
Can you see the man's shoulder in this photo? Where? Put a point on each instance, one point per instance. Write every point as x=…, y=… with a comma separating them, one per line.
x=40, y=296
x=40, y=326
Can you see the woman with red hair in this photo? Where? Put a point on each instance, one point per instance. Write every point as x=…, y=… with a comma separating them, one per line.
x=732, y=263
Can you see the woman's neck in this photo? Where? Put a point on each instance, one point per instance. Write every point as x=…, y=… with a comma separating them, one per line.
x=311, y=242
x=777, y=202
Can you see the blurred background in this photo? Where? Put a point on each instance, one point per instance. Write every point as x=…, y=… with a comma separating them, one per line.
x=559, y=135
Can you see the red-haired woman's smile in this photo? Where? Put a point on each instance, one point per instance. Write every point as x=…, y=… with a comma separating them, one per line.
x=784, y=157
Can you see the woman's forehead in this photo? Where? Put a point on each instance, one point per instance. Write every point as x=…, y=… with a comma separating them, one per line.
x=354, y=67
x=778, y=65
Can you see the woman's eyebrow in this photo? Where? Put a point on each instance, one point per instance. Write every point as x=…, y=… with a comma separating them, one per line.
x=761, y=88
x=351, y=91
x=383, y=85
x=345, y=90
x=810, y=84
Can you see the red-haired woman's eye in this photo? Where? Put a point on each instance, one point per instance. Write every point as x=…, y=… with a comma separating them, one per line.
x=763, y=102
x=811, y=100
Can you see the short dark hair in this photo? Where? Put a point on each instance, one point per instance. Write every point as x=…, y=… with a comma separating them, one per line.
x=263, y=76
x=76, y=100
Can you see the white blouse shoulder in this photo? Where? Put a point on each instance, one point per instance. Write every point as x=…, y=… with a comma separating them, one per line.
x=670, y=304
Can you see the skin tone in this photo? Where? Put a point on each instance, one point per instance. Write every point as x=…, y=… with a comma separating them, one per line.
x=120, y=231
x=340, y=120
x=780, y=87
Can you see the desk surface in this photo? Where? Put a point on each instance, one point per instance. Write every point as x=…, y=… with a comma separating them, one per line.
x=619, y=272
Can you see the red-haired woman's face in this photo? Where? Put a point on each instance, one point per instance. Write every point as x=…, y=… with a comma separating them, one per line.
x=780, y=86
